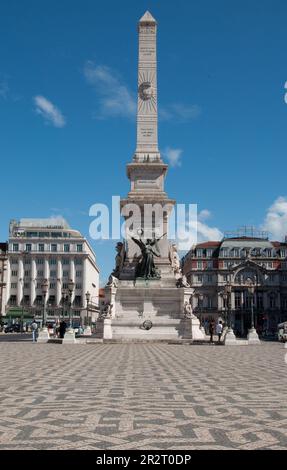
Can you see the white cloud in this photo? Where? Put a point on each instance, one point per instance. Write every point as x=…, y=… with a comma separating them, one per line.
x=204, y=214
x=115, y=97
x=207, y=233
x=49, y=111
x=173, y=156
x=195, y=230
x=4, y=89
x=276, y=219
x=179, y=112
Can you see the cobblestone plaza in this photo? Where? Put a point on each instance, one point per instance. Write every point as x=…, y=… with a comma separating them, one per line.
x=142, y=396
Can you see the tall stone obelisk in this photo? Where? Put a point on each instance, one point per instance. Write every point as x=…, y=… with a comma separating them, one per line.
x=147, y=138
x=147, y=170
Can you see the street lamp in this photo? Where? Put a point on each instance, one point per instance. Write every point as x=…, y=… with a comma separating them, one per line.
x=229, y=336
x=88, y=296
x=71, y=286
x=227, y=297
x=200, y=300
x=44, y=336
x=44, y=287
x=251, y=289
x=87, y=330
x=252, y=333
x=64, y=298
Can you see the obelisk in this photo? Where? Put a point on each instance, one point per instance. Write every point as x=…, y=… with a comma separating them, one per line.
x=147, y=139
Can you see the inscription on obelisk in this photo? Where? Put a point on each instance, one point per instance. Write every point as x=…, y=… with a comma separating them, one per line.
x=147, y=139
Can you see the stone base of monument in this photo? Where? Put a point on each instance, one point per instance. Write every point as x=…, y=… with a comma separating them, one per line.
x=285, y=345
x=69, y=337
x=148, y=311
x=252, y=337
x=43, y=336
x=88, y=331
x=107, y=330
x=230, y=338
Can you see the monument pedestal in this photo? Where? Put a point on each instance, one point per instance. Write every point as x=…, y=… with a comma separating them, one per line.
x=69, y=337
x=43, y=335
x=230, y=338
x=149, y=310
x=87, y=331
x=252, y=337
x=107, y=332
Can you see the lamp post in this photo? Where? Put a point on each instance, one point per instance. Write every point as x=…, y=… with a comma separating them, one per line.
x=87, y=330
x=88, y=296
x=64, y=298
x=227, y=295
x=229, y=336
x=44, y=336
x=252, y=333
x=70, y=332
x=44, y=287
x=71, y=286
x=251, y=290
x=200, y=300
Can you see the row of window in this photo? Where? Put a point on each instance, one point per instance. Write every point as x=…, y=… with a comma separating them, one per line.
x=243, y=301
x=52, y=285
x=199, y=278
x=40, y=273
x=237, y=252
x=54, y=247
x=229, y=264
x=65, y=261
x=39, y=300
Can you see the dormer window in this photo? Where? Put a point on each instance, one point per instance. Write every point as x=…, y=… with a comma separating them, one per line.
x=268, y=253
x=225, y=252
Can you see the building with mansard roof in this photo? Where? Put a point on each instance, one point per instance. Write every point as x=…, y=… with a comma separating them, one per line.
x=242, y=262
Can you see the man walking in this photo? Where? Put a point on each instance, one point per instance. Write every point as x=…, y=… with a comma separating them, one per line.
x=219, y=328
x=211, y=330
x=34, y=327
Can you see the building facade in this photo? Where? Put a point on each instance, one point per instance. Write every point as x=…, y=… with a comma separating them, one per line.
x=256, y=271
x=49, y=250
x=3, y=276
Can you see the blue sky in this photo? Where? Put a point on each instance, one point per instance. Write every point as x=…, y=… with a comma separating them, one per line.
x=221, y=73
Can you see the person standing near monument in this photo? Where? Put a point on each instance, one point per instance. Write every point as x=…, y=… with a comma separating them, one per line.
x=219, y=328
x=211, y=330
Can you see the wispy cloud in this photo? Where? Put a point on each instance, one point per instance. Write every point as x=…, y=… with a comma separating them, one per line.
x=115, y=97
x=49, y=111
x=4, y=89
x=204, y=231
x=173, y=156
x=117, y=100
x=276, y=218
x=179, y=112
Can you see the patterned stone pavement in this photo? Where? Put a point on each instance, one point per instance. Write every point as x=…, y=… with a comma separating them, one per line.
x=142, y=396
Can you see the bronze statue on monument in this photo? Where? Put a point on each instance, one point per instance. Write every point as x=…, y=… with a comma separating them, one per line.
x=146, y=267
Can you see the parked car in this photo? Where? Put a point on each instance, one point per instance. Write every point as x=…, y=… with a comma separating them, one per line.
x=12, y=328
x=282, y=332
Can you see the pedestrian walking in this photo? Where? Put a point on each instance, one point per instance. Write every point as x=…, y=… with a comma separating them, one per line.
x=34, y=328
x=211, y=330
x=63, y=326
x=219, y=329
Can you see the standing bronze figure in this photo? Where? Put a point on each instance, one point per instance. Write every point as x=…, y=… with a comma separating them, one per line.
x=146, y=267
